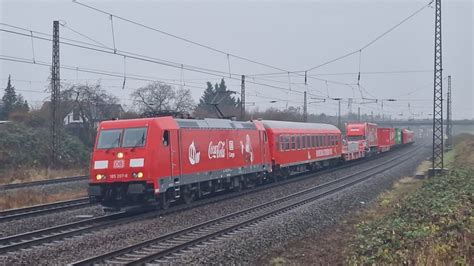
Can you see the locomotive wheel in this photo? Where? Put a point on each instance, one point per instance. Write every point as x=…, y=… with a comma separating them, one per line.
x=188, y=195
x=237, y=186
x=164, y=201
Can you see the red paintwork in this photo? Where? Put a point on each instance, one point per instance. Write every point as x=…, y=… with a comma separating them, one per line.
x=408, y=136
x=220, y=149
x=386, y=138
x=212, y=146
x=366, y=130
x=154, y=158
x=295, y=156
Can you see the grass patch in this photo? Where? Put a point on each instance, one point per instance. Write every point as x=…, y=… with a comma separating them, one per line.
x=29, y=175
x=428, y=222
x=29, y=197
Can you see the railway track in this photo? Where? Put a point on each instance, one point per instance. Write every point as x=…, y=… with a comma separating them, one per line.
x=56, y=233
x=162, y=248
x=43, y=182
x=21, y=213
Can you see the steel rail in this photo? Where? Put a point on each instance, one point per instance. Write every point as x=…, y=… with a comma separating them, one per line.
x=151, y=250
x=56, y=233
x=20, y=213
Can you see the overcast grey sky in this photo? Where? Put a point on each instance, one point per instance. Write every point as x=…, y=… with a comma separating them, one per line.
x=292, y=35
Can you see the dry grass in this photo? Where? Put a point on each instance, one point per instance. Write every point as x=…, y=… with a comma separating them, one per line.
x=464, y=151
x=30, y=197
x=28, y=175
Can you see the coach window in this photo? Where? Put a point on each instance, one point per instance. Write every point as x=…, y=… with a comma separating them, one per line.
x=282, y=144
x=298, y=142
x=293, y=143
x=287, y=143
x=303, y=142
x=166, y=137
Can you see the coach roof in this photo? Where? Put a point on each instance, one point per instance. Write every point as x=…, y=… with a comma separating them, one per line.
x=272, y=124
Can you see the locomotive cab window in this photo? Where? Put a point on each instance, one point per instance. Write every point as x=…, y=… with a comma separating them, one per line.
x=166, y=137
x=109, y=138
x=134, y=137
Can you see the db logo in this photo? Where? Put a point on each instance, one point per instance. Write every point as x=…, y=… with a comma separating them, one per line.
x=119, y=163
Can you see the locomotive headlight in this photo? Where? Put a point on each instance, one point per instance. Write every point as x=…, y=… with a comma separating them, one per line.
x=120, y=155
x=139, y=174
x=98, y=177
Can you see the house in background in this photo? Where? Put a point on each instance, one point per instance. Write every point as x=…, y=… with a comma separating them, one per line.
x=74, y=117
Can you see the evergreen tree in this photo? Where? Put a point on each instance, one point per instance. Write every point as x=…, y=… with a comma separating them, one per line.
x=217, y=95
x=12, y=102
x=207, y=96
x=9, y=99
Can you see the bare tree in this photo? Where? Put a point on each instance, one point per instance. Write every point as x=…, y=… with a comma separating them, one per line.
x=159, y=97
x=91, y=103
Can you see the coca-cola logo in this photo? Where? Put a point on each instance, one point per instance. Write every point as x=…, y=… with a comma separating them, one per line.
x=216, y=151
x=194, y=154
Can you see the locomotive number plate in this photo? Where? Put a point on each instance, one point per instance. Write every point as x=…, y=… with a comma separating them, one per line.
x=119, y=164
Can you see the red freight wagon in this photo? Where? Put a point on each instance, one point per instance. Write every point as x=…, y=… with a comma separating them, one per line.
x=386, y=138
x=302, y=146
x=408, y=136
x=363, y=131
x=139, y=159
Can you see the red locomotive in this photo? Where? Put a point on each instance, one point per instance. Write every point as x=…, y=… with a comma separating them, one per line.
x=165, y=159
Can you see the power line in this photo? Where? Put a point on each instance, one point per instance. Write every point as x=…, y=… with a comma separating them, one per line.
x=178, y=37
x=154, y=60
x=374, y=40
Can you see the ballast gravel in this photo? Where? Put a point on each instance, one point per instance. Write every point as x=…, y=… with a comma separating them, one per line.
x=241, y=247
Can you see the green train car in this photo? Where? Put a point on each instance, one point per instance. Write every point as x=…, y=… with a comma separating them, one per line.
x=398, y=136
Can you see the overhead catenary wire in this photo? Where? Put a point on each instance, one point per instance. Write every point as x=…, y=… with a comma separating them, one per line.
x=153, y=60
x=106, y=73
x=178, y=37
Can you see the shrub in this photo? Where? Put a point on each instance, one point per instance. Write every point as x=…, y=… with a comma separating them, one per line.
x=26, y=147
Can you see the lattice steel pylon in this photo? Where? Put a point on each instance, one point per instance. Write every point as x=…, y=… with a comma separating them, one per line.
x=55, y=95
x=437, y=161
x=449, y=117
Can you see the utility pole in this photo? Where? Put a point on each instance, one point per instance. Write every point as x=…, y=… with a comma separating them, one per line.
x=449, y=117
x=55, y=96
x=358, y=114
x=339, y=125
x=438, y=149
x=242, y=99
x=372, y=116
x=305, y=108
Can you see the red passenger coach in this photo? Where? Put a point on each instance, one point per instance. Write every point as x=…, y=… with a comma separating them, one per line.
x=386, y=138
x=302, y=146
x=141, y=160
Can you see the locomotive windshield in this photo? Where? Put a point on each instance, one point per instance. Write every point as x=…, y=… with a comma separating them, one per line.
x=134, y=137
x=125, y=138
x=109, y=139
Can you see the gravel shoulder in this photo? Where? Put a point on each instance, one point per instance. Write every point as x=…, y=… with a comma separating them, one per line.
x=274, y=233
